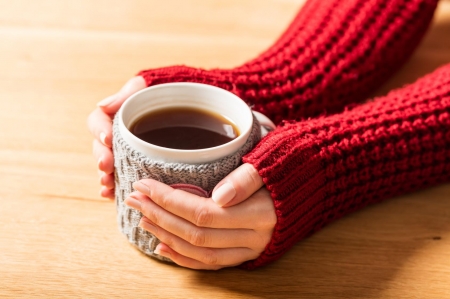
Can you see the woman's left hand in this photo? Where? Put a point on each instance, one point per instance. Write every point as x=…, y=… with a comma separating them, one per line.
x=232, y=227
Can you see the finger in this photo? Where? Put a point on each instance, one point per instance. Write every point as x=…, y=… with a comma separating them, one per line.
x=100, y=125
x=164, y=250
x=237, y=186
x=196, y=236
x=111, y=104
x=104, y=157
x=206, y=262
x=107, y=193
x=206, y=255
x=256, y=212
x=107, y=180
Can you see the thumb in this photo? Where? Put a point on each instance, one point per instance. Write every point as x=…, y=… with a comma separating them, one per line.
x=112, y=104
x=236, y=187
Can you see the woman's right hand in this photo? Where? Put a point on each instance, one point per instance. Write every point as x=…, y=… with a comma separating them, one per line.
x=100, y=125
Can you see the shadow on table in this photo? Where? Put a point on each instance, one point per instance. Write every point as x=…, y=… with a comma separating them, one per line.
x=356, y=257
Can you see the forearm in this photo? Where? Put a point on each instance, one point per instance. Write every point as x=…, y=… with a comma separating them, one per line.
x=332, y=54
x=319, y=170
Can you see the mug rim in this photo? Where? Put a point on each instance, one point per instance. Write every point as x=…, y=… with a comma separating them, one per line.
x=165, y=154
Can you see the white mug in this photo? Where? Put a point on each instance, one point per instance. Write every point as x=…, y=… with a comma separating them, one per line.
x=195, y=171
x=189, y=95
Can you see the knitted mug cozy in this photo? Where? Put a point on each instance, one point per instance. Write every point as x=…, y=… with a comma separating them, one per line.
x=131, y=165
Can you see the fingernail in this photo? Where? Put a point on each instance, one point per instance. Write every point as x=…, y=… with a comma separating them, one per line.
x=107, y=101
x=141, y=187
x=103, y=138
x=148, y=226
x=133, y=203
x=99, y=163
x=160, y=252
x=224, y=194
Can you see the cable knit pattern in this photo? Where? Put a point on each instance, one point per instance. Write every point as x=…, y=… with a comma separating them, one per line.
x=321, y=169
x=131, y=165
x=334, y=52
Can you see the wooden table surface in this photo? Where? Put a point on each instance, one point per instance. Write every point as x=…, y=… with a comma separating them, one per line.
x=58, y=238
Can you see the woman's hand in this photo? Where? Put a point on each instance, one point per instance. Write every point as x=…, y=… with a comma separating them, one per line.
x=100, y=125
x=198, y=233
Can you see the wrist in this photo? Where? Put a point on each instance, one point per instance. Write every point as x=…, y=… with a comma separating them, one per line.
x=181, y=73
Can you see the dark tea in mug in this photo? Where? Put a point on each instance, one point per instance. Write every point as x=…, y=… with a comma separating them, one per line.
x=184, y=128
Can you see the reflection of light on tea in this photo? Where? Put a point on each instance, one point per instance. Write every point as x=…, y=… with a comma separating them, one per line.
x=229, y=131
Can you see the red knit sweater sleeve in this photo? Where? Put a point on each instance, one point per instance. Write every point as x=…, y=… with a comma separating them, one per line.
x=333, y=53
x=319, y=170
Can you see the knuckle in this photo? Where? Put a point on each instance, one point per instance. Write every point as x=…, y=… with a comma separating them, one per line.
x=271, y=220
x=203, y=217
x=157, y=232
x=169, y=241
x=197, y=237
x=154, y=217
x=164, y=202
x=209, y=257
x=268, y=218
x=131, y=80
x=139, y=81
x=268, y=221
x=252, y=175
x=151, y=214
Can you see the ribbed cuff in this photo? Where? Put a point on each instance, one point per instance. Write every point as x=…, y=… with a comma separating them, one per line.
x=297, y=184
x=181, y=73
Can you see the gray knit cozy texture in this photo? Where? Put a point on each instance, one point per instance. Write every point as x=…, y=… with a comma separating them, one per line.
x=131, y=166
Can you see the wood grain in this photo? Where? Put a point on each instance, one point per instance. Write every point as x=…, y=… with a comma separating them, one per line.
x=59, y=239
